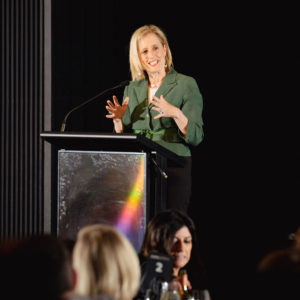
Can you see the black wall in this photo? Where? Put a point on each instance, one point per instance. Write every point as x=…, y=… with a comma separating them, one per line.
x=242, y=56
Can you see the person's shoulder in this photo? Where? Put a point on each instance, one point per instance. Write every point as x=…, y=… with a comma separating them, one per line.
x=184, y=78
x=281, y=259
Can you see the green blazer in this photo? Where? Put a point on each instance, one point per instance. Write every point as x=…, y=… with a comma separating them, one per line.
x=181, y=91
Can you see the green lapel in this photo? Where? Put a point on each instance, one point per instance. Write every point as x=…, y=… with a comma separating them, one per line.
x=141, y=90
x=141, y=87
x=168, y=83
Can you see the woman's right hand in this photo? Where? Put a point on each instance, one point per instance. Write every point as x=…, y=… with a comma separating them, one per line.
x=183, y=281
x=115, y=110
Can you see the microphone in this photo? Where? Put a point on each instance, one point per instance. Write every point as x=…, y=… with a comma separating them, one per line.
x=63, y=125
x=162, y=172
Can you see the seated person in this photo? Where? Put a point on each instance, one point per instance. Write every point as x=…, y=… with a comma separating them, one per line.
x=278, y=272
x=173, y=233
x=37, y=267
x=106, y=264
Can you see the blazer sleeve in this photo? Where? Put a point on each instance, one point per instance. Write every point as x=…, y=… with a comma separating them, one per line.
x=192, y=108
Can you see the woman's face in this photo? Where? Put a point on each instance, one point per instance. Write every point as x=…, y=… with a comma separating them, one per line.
x=182, y=247
x=152, y=53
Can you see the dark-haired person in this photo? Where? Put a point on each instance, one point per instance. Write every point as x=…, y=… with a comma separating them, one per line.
x=172, y=232
x=36, y=267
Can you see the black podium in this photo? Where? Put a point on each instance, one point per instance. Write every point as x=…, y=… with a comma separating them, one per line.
x=116, y=179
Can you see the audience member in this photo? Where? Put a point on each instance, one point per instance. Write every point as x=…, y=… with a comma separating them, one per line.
x=37, y=267
x=173, y=233
x=279, y=272
x=106, y=264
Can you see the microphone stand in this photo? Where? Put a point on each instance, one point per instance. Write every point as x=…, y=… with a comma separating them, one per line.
x=63, y=125
x=162, y=172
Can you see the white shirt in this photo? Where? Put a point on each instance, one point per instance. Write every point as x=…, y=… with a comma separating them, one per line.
x=152, y=92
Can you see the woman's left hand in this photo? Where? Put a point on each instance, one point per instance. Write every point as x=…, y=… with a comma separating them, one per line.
x=164, y=108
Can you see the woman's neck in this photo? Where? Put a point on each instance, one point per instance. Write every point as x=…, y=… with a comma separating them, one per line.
x=156, y=78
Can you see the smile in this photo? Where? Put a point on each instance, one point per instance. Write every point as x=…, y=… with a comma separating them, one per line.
x=179, y=257
x=153, y=63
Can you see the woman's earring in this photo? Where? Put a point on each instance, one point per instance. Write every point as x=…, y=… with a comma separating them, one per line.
x=166, y=65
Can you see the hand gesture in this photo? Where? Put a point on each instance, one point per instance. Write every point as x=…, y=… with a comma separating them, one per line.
x=115, y=110
x=164, y=108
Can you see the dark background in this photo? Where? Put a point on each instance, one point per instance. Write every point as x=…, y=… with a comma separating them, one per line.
x=243, y=57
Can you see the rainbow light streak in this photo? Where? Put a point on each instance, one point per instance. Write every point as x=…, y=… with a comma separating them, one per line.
x=129, y=215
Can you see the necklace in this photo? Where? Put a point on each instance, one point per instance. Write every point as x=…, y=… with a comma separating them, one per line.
x=155, y=85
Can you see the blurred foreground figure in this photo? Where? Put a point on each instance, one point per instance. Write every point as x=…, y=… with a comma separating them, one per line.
x=106, y=264
x=38, y=267
x=279, y=272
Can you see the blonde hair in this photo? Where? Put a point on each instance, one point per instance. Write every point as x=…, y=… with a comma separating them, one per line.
x=136, y=68
x=106, y=263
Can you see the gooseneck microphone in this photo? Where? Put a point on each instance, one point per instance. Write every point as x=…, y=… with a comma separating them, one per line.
x=63, y=125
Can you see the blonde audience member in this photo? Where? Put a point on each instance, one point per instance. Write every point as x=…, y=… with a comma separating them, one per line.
x=106, y=264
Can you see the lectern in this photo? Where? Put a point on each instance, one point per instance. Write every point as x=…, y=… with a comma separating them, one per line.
x=116, y=179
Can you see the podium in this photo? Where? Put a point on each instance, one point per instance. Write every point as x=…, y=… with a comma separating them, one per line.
x=116, y=179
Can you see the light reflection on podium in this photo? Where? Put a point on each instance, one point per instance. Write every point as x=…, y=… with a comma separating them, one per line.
x=102, y=187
